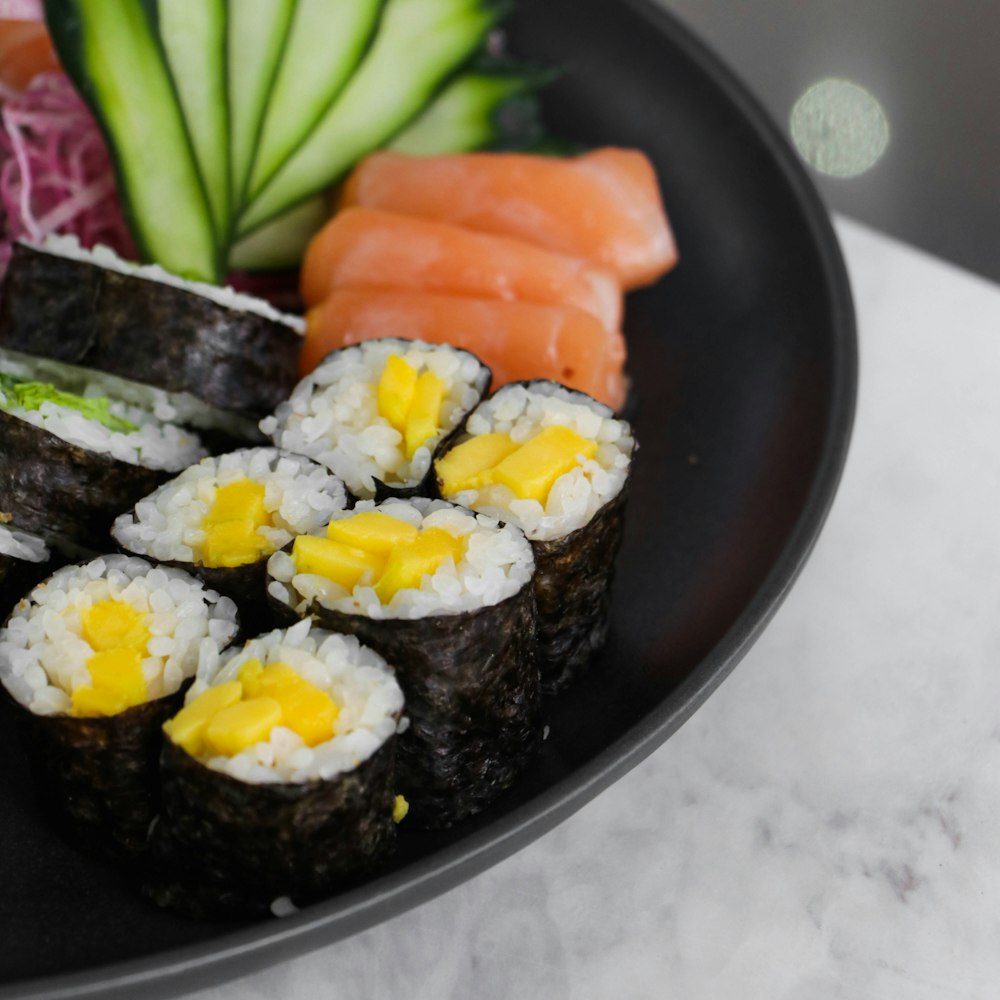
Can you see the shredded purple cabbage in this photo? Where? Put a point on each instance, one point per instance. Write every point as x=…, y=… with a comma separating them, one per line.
x=55, y=171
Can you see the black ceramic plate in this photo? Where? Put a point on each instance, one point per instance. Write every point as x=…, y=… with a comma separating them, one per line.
x=744, y=364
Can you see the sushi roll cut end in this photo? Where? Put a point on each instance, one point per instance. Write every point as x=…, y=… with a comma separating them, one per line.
x=539, y=454
x=556, y=463
x=99, y=638
x=376, y=413
x=402, y=559
x=222, y=518
x=95, y=659
x=278, y=775
x=291, y=706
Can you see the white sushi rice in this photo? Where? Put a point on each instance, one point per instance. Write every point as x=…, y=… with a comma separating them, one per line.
x=154, y=444
x=356, y=678
x=299, y=495
x=167, y=407
x=20, y=545
x=43, y=655
x=332, y=415
x=522, y=411
x=103, y=256
x=496, y=564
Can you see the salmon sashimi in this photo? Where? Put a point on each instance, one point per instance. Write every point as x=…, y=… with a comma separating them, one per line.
x=25, y=51
x=366, y=248
x=517, y=340
x=604, y=206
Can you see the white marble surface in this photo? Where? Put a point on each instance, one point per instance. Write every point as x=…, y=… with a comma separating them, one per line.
x=826, y=826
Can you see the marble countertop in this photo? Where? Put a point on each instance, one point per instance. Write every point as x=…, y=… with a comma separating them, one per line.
x=825, y=826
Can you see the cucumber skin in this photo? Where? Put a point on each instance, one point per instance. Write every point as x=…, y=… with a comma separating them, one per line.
x=65, y=23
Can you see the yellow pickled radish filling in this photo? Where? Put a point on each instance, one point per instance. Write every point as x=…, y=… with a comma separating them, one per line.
x=424, y=415
x=231, y=525
x=408, y=564
x=344, y=564
x=118, y=634
x=372, y=531
x=309, y=711
x=114, y=624
x=400, y=807
x=226, y=719
x=395, y=391
x=375, y=549
x=529, y=470
x=410, y=401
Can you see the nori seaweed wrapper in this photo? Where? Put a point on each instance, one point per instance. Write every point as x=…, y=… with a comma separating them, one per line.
x=140, y=329
x=17, y=577
x=225, y=847
x=61, y=491
x=573, y=577
x=245, y=585
x=473, y=699
x=97, y=778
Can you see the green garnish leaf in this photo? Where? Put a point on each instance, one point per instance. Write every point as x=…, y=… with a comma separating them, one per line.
x=24, y=394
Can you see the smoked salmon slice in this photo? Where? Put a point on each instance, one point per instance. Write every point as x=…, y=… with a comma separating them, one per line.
x=603, y=206
x=366, y=248
x=518, y=340
x=25, y=51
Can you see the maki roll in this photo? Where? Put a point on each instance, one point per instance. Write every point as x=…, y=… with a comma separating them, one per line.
x=445, y=596
x=94, y=660
x=377, y=412
x=72, y=457
x=222, y=518
x=277, y=775
x=93, y=309
x=555, y=462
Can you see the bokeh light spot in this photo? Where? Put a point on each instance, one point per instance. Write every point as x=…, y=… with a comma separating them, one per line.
x=839, y=128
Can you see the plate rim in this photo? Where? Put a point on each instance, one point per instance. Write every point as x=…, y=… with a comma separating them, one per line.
x=248, y=949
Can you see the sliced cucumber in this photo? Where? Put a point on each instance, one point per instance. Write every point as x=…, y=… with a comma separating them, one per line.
x=111, y=53
x=193, y=35
x=420, y=43
x=281, y=242
x=257, y=33
x=325, y=44
x=490, y=107
x=480, y=109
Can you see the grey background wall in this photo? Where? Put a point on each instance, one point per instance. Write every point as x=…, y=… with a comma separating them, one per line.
x=932, y=69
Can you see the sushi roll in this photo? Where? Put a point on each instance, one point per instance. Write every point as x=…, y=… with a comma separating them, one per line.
x=445, y=596
x=93, y=309
x=72, y=457
x=222, y=518
x=94, y=660
x=555, y=462
x=376, y=413
x=277, y=775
